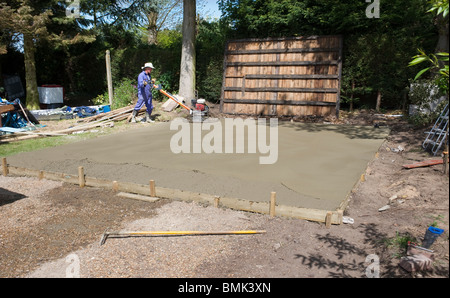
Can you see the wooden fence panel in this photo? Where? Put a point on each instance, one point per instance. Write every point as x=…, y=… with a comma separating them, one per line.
x=282, y=76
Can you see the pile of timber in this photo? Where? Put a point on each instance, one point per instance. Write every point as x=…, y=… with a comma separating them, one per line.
x=116, y=115
x=100, y=120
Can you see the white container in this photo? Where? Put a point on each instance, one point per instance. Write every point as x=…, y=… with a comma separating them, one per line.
x=51, y=94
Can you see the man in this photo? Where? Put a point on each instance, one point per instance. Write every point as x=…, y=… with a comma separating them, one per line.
x=145, y=84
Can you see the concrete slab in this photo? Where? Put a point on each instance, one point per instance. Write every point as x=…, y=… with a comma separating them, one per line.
x=317, y=165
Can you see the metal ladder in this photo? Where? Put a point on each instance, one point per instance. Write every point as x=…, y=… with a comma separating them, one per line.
x=438, y=134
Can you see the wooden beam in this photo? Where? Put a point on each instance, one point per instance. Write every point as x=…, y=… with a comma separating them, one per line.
x=6, y=108
x=284, y=63
x=287, y=77
x=280, y=51
x=298, y=38
x=138, y=197
x=176, y=194
x=288, y=90
x=280, y=102
x=425, y=163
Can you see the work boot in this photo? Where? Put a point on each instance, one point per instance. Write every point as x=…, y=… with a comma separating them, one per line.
x=133, y=117
x=147, y=118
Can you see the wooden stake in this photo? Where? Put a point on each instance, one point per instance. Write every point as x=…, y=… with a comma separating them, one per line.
x=109, y=77
x=216, y=201
x=4, y=166
x=363, y=178
x=115, y=186
x=81, y=178
x=328, y=219
x=273, y=197
x=152, y=188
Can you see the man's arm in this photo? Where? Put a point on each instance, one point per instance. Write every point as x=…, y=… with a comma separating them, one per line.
x=141, y=81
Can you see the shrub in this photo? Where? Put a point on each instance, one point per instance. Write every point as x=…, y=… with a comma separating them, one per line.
x=125, y=94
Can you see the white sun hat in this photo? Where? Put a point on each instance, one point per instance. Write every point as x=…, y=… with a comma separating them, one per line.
x=148, y=65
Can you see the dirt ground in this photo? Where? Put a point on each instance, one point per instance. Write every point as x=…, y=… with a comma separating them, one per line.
x=44, y=222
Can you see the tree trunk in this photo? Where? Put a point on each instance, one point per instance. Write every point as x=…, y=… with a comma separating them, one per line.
x=152, y=28
x=32, y=101
x=187, y=69
x=377, y=108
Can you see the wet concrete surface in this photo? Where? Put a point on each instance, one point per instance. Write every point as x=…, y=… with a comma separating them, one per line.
x=317, y=165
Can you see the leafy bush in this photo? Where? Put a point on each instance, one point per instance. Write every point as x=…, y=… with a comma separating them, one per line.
x=125, y=94
x=424, y=94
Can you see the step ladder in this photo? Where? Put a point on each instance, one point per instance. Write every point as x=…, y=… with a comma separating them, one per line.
x=438, y=134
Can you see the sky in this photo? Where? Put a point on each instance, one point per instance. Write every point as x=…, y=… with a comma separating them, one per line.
x=211, y=8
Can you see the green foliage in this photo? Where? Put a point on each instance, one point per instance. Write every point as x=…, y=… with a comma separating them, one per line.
x=439, y=7
x=125, y=94
x=422, y=93
x=375, y=50
x=168, y=39
x=211, y=40
x=438, y=62
x=399, y=244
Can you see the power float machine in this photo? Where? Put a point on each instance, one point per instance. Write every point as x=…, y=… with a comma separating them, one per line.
x=198, y=111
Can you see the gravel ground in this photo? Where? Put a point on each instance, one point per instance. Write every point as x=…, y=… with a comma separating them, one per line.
x=162, y=257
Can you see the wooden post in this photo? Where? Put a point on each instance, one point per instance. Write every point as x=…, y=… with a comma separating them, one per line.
x=81, y=178
x=446, y=160
x=4, y=166
x=216, y=201
x=328, y=219
x=109, y=77
x=445, y=157
x=273, y=197
x=152, y=188
x=115, y=186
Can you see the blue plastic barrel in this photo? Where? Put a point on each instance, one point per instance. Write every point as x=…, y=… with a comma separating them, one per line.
x=431, y=235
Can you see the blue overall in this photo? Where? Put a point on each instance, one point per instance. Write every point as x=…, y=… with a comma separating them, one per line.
x=144, y=92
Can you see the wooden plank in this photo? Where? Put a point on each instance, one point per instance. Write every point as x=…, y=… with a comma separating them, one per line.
x=281, y=51
x=279, y=102
x=6, y=108
x=278, y=89
x=291, y=77
x=176, y=194
x=138, y=197
x=283, y=63
x=425, y=163
x=272, y=39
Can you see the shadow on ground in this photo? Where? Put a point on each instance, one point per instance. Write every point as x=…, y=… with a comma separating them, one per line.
x=8, y=197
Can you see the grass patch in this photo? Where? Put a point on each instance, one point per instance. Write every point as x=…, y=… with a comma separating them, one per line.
x=8, y=149
x=399, y=244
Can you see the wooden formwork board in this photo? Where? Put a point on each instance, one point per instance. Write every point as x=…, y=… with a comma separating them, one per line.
x=316, y=215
